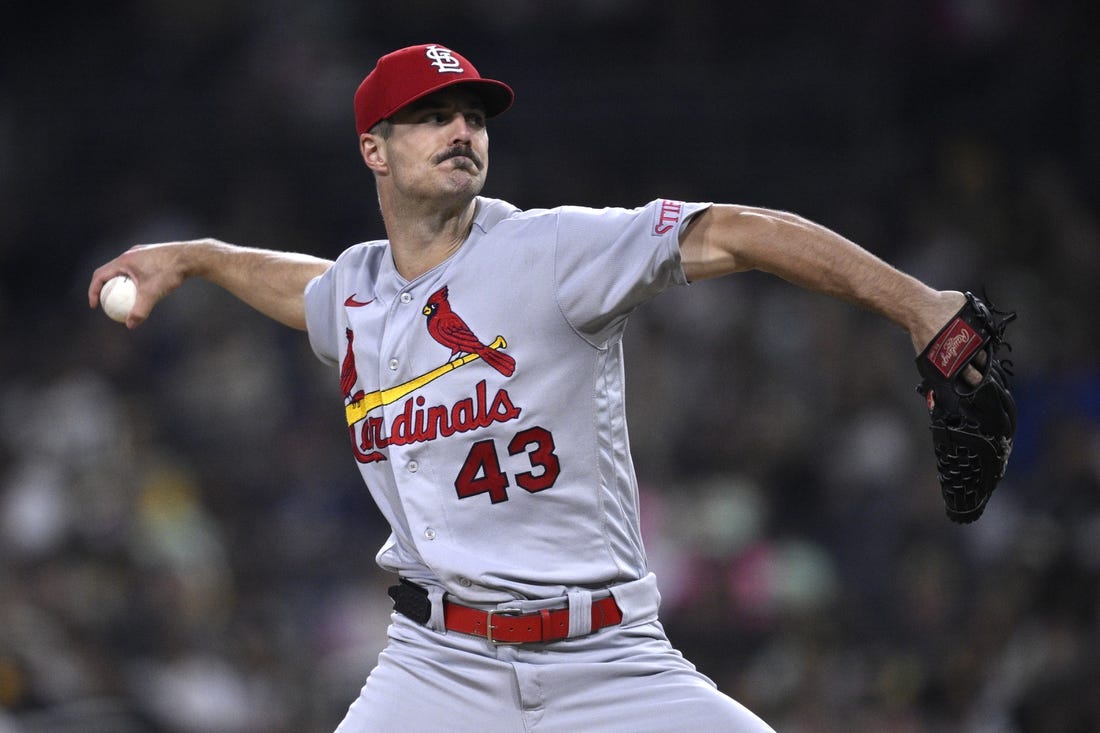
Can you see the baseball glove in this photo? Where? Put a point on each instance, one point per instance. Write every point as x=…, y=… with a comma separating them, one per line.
x=972, y=425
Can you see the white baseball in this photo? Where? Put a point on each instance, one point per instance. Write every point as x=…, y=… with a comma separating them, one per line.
x=117, y=297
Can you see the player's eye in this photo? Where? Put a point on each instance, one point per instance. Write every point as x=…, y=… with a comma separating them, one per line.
x=475, y=119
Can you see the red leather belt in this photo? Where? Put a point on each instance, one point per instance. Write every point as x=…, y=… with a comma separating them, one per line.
x=504, y=626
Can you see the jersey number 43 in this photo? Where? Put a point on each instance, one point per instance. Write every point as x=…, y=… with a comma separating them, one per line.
x=481, y=472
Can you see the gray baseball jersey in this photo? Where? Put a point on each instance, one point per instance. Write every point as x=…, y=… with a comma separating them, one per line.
x=485, y=399
x=485, y=406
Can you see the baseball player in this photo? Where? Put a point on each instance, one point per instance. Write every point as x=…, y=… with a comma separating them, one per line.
x=478, y=358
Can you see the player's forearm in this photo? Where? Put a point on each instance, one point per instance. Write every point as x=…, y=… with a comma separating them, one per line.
x=735, y=238
x=271, y=282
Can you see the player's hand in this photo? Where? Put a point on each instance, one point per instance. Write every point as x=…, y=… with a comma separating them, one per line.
x=932, y=317
x=156, y=269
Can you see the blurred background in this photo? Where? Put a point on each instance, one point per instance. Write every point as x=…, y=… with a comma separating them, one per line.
x=185, y=543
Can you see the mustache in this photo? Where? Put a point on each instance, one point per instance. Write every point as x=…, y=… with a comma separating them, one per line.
x=456, y=151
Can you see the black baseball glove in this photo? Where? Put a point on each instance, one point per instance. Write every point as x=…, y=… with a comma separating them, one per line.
x=972, y=425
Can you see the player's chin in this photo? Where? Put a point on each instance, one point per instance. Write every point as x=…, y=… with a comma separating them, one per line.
x=462, y=181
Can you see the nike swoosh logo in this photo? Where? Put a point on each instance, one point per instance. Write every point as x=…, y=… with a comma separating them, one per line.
x=351, y=302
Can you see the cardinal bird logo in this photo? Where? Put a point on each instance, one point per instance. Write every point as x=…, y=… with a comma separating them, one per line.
x=449, y=329
x=348, y=375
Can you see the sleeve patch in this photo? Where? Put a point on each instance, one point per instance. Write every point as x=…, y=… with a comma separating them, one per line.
x=666, y=217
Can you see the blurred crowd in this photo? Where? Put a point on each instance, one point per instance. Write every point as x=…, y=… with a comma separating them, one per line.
x=185, y=543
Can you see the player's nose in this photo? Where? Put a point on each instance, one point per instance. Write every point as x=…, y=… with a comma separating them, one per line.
x=461, y=131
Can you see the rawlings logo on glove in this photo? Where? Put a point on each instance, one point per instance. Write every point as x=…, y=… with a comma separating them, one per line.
x=972, y=424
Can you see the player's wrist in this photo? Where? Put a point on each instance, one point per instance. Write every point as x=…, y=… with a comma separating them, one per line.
x=201, y=257
x=933, y=309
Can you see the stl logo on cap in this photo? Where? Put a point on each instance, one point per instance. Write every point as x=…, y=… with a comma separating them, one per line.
x=402, y=77
x=443, y=60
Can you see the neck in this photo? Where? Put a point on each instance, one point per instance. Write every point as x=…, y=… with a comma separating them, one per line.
x=421, y=237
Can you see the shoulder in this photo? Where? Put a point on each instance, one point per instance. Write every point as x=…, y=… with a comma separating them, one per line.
x=658, y=217
x=494, y=212
x=364, y=254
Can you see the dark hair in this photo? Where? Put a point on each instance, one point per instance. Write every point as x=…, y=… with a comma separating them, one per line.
x=382, y=129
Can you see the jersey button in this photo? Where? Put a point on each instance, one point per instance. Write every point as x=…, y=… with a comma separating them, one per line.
x=413, y=466
x=429, y=533
x=406, y=297
x=393, y=365
x=465, y=582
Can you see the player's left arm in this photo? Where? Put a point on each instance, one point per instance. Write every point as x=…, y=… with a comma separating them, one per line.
x=724, y=239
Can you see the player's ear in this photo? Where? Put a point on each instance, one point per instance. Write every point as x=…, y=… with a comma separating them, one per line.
x=373, y=150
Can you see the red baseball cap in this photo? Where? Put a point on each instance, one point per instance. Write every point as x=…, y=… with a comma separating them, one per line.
x=408, y=74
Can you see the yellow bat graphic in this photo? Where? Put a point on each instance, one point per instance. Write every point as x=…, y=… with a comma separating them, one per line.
x=356, y=411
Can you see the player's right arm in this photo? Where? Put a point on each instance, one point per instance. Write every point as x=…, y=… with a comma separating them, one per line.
x=271, y=282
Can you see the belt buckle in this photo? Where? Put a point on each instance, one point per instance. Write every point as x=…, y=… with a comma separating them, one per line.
x=489, y=625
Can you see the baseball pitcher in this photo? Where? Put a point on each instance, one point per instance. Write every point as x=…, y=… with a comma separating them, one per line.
x=477, y=356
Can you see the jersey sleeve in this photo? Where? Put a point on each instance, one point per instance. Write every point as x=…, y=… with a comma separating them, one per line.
x=610, y=261
x=324, y=298
x=321, y=315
